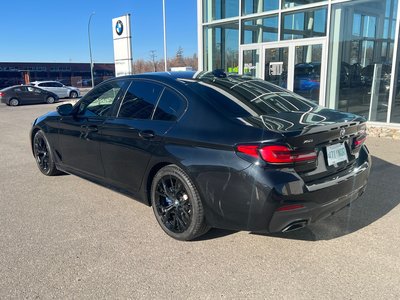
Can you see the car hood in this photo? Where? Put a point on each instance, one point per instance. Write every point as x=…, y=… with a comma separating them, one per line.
x=49, y=115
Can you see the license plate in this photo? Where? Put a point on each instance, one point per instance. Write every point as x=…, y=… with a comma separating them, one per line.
x=336, y=154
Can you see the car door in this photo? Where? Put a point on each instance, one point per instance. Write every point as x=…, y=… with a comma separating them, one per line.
x=34, y=95
x=79, y=134
x=22, y=94
x=60, y=89
x=130, y=139
x=47, y=86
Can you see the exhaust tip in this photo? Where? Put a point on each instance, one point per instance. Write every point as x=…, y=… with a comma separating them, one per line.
x=295, y=226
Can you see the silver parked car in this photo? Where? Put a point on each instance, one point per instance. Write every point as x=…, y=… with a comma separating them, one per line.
x=58, y=88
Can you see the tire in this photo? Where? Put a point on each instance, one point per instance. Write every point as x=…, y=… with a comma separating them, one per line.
x=13, y=102
x=177, y=205
x=44, y=155
x=50, y=100
x=73, y=95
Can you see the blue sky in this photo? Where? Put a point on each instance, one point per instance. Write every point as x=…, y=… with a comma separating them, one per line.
x=56, y=31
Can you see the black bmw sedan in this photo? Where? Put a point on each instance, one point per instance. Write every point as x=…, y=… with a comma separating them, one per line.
x=209, y=150
x=26, y=94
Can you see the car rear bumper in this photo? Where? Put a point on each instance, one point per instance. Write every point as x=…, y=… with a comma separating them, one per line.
x=251, y=199
x=339, y=194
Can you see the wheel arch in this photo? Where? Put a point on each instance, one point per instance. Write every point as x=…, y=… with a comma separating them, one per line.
x=152, y=173
x=11, y=98
x=55, y=97
x=149, y=179
x=33, y=132
x=73, y=91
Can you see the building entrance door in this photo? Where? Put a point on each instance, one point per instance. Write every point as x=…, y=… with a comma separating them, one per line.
x=299, y=65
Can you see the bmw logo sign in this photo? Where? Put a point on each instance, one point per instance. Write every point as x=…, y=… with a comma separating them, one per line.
x=119, y=27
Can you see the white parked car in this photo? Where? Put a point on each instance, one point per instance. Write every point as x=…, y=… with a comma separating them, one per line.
x=58, y=88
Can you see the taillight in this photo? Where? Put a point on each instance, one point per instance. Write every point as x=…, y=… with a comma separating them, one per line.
x=277, y=154
x=251, y=150
x=358, y=141
x=290, y=207
x=1, y=94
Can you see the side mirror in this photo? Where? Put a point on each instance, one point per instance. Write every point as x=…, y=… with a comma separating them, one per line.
x=65, y=109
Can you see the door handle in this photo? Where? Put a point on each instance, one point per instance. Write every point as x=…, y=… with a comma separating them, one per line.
x=146, y=134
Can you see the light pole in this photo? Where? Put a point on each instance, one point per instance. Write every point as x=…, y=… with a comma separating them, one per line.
x=90, y=50
x=165, y=39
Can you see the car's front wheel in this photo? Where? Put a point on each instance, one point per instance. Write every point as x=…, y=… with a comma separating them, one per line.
x=177, y=205
x=73, y=94
x=50, y=100
x=43, y=155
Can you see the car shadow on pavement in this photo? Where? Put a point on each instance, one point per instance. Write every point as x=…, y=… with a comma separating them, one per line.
x=215, y=233
x=380, y=197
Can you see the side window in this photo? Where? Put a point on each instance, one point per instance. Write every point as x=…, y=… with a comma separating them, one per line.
x=140, y=100
x=100, y=100
x=57, y=84
x=30, y=89
x=43, y=84
x=20, y=89
x=170, y=107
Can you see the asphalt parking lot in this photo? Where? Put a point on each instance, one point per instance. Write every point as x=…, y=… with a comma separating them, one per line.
x=64, y=237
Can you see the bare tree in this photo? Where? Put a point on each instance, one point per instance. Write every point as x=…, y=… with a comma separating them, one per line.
x=153, y=56
x=152, y=65
x=178, y=60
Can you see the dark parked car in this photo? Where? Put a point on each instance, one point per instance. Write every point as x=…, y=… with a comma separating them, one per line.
x=26, y=94
x=209, y=150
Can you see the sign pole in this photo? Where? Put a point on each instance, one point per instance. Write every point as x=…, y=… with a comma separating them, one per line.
x=165, y=39
x=90, y=50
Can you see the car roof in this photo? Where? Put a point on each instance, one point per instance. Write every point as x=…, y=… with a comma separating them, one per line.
x=44, y=81
x=237, y=85
x=193, y=76
x=19, y=85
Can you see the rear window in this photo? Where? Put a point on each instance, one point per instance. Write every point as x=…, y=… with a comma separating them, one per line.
x=19, y=89
x=170, y=106
x=243, y=96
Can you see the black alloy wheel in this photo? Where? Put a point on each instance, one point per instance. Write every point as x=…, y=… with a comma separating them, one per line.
x=43, y=155
x=177, y=205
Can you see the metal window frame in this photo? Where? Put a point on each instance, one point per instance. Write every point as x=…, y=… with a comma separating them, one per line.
x=262, y=46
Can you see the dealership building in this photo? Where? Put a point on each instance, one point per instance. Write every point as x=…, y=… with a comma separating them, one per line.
x=338, y=53
x=76, y=74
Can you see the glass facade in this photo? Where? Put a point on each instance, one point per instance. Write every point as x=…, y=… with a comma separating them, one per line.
x=350, y=64
x=293, y=3
x=220, y=9
x=258, y=6
x=395, y=116
x=361, y=56
x=260, y=30
x=304, y=24
x=221, y=47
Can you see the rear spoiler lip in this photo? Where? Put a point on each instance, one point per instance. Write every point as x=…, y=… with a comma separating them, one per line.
x=313, y=128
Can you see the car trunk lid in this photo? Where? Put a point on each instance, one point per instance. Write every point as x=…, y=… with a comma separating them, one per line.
x=335, y=136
